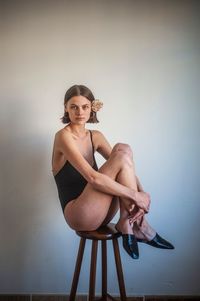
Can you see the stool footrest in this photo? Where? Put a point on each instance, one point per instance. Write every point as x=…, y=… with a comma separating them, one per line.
x=108, y=297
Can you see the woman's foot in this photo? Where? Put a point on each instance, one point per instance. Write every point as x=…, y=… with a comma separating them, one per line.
x=146, y=234
x=158, y=242
x=129, y=240
x=130, y=245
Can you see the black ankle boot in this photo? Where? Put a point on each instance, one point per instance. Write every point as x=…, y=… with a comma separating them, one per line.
x=158, y=242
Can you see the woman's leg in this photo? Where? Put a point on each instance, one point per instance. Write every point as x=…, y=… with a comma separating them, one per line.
x=113, y=209
x=144, y=230
x=140, y=228
x=94, y=208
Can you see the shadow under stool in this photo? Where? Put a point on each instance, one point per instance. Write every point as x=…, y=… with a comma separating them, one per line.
x=103, y=234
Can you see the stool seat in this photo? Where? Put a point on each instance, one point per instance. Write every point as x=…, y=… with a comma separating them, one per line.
x=103, y=233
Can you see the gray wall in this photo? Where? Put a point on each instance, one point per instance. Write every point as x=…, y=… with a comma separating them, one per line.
x=142, y=59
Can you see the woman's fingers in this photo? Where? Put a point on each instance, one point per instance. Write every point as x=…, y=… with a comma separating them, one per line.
x=143, y=200
x=136, y=214
x=142, y=205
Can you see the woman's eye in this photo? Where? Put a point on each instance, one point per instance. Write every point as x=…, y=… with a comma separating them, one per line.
x=74, y=108
x=85, y=107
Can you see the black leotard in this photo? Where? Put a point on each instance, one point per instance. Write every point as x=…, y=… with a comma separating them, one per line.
x=70, y=183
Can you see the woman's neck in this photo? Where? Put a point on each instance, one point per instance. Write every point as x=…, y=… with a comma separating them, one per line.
x=77, y=130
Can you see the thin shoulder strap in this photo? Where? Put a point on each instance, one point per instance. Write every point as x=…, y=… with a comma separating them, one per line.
x=95, y=166
x=91, y=141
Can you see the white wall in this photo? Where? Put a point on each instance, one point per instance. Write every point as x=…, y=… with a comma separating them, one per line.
x=142, y=59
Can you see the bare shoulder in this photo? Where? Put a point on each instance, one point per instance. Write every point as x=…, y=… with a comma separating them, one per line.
x=101, y=144
x=63, y=136
x=98, y=137
x=97, y=134
x=62, y=132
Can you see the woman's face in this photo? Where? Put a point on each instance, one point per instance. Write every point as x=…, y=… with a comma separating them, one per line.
x=79, y=109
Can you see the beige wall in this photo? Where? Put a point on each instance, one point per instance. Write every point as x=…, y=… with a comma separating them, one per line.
x=141, y=58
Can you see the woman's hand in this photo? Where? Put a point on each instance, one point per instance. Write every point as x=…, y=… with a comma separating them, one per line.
x=136, y=214
x=142, y=200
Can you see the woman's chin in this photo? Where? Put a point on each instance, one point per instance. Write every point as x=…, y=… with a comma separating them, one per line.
x=80, y=121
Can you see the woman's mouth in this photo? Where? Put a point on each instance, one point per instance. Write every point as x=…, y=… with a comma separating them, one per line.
x=80, y=118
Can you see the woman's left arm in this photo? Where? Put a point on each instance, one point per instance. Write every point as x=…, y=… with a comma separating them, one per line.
x=102, y=146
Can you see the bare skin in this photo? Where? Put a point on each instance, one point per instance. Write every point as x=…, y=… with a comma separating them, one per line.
x=114, y=186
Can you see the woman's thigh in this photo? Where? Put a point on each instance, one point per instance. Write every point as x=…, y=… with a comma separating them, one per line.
x=94, y=208
x=91, y=215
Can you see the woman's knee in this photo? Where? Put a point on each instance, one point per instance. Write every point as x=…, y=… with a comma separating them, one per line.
x=124, y=148
x=122, y=153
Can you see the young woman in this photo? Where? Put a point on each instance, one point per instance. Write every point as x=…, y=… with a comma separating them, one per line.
x=90, y=197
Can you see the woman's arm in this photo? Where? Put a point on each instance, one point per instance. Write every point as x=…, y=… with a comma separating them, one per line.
x=103, y=147
x=66, y=144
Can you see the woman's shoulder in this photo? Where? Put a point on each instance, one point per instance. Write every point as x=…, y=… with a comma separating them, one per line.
x=96, y=133
x=62, y=134
x=98, y=137
x=101, y=144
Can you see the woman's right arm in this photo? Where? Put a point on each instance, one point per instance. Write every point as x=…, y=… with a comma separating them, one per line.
x=101, y=182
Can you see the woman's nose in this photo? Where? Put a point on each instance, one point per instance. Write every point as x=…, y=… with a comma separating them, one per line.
x=79, y=111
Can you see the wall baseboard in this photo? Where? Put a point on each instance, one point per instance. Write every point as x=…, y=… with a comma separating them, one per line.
x=54, y=297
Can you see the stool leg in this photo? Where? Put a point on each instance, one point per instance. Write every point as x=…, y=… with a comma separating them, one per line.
x=93, y=270
x=119, y=270
x=77, y=270
x=104, y=269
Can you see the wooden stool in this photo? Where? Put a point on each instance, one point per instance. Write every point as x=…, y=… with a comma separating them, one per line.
x=103, y=234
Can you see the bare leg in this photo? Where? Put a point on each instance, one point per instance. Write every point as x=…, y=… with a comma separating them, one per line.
x=94, y=208
x=113, y=209
x=127, y=178
x=144, y=230
x=140, y=228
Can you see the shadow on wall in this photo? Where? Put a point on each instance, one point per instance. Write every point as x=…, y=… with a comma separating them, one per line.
x=22, y=176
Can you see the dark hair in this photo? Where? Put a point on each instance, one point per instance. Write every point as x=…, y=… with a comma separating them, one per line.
x=78, y=90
